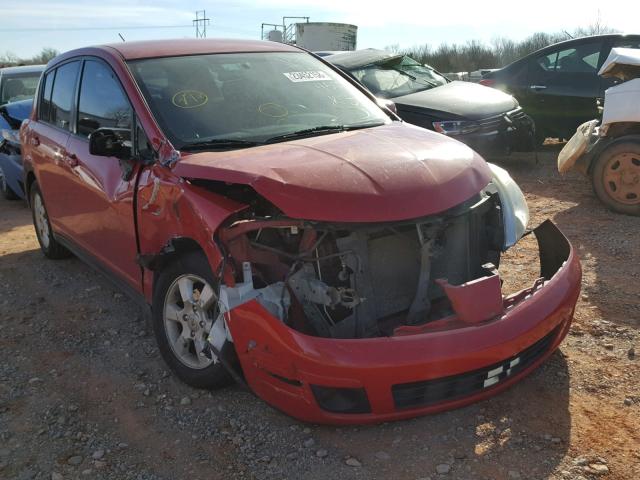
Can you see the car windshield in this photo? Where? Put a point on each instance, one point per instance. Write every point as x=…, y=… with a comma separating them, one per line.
x=397, y=77
x=17, y=87
x=236, y=100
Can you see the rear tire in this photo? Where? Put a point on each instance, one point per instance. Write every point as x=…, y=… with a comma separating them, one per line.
x=616, y=177
x=5, y=189
x=48, y=244
x=184, y=309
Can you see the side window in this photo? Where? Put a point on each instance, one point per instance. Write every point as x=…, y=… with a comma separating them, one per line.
x=581, y=58
x=62, y=96
x=44, y=110
x=102, y=101
x=548, y=62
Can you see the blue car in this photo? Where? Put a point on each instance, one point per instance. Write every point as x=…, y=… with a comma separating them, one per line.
x=11, y=116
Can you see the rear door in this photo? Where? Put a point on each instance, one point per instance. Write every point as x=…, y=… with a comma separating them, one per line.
x=48, y=137
x=101, y=206
x=564, y=85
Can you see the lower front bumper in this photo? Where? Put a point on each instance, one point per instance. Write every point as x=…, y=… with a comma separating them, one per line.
x=409, y=375
x=515, y=138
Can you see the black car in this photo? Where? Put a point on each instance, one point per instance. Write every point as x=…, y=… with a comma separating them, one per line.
x=487, y=120
x=559, y=84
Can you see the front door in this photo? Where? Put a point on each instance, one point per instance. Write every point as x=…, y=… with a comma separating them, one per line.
x=101, y=214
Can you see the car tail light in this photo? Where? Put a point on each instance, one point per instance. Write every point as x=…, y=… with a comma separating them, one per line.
x=488, y=82
x=342, y=400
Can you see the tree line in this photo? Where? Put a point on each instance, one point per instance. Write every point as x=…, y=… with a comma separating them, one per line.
x=8, y=59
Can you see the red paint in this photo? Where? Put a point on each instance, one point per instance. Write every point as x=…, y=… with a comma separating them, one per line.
x=374, y=175
x=477, y=300
x=378, y=363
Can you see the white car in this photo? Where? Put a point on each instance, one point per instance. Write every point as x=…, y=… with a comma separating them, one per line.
x=609, y=151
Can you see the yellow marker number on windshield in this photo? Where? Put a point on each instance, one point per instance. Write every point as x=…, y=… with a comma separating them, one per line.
x=189, y=99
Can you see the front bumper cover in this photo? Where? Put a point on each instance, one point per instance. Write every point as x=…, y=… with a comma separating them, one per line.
x=407, y=375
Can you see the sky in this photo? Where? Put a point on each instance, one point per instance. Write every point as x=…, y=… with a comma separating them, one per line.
x=27, y=26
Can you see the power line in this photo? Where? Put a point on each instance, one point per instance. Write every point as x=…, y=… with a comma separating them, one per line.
x=70, y=29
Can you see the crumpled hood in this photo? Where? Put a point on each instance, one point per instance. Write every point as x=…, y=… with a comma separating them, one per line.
x=387, y=173
x=463, y=99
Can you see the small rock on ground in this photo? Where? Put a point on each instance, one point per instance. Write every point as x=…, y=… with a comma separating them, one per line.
x=353, y=462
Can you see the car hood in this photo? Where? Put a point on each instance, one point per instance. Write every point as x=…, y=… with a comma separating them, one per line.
x=15, y=112
x=463, y=99
x=387, y=173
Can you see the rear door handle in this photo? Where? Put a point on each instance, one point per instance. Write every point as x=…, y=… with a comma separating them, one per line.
x=537, y=87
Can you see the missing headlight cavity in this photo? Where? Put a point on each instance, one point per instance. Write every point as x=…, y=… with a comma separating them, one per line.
x=362, y=280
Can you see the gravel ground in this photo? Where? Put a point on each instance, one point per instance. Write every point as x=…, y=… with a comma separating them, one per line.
x=84, y=393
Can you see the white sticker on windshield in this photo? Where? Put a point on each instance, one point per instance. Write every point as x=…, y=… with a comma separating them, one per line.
x=307, y=76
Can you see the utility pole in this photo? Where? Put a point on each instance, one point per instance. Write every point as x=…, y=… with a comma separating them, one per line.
x=201, y=23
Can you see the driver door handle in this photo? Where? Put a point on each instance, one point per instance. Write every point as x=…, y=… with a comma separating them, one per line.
x=537, y=87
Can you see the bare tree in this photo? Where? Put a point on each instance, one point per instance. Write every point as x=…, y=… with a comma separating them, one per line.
x=45, y=55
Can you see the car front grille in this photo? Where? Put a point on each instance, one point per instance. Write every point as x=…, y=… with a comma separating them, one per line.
x=425, y=393
x=502, y=121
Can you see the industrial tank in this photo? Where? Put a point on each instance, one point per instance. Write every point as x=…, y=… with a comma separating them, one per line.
x=275, y=36
x=316, y=36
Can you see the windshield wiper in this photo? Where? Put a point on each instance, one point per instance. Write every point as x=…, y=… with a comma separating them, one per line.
x=220, y=144
x=306, y=132
x=424, y=81
x=320, y=130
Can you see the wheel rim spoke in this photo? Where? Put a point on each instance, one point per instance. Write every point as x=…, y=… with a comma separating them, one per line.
x=207, y=297
x=180, y=345
x=186, y=289
x=173, y=313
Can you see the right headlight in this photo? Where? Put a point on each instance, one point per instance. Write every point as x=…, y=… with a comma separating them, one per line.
x=515, y=212
x=453, y=128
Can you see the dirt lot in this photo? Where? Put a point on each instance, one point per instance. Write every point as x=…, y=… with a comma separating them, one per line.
x=84, y=393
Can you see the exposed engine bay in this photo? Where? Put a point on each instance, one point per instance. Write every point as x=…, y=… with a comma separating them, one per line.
x=356, y=280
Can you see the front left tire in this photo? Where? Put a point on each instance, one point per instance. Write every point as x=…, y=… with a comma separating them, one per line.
x=184, y=310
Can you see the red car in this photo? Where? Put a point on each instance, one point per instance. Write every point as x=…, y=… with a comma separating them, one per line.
x=288, y=231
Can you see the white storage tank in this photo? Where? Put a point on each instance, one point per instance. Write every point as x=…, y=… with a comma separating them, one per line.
x=275, y=36
x=317, y=36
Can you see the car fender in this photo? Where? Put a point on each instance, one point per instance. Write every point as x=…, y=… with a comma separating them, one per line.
x=170, y=210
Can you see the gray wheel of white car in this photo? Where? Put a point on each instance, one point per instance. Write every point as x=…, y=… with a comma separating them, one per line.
x=5, y=189
x=48, y=244
x=185, y=312
x=616, y=177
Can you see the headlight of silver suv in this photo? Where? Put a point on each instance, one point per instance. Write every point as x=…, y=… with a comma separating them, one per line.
x=515, y=212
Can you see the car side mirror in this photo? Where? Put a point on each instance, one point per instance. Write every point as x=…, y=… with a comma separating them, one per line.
x=387, y=104
x=111, y=142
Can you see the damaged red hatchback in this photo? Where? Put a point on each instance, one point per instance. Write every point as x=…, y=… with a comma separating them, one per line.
x=288, y=231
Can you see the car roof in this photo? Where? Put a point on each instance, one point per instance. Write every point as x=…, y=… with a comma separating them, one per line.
x=180, y=47
x=22, y=69
x=360, y=58
x=579, y=40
